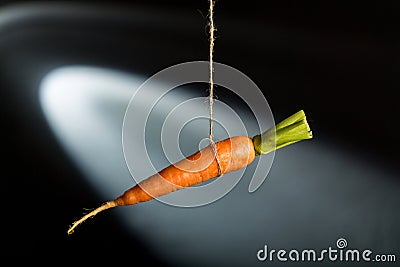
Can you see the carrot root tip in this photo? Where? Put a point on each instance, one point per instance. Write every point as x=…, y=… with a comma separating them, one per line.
x=105, y=206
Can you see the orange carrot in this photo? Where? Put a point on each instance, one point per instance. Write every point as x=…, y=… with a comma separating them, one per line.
x=226, y=156
x=232, y=154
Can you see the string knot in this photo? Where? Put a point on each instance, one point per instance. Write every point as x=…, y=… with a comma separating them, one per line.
x=214, y=148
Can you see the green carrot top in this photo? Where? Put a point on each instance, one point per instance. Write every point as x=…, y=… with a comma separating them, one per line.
x=289, y=131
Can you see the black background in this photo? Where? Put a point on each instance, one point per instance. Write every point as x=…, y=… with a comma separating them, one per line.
x=337, y=60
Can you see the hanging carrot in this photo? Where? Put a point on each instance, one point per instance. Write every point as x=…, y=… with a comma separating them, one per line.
x=225, y=156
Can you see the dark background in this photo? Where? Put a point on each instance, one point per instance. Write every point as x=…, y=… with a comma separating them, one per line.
x=337, y=60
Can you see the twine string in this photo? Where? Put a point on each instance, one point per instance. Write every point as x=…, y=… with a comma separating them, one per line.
x=211, y=69
x=211, y=82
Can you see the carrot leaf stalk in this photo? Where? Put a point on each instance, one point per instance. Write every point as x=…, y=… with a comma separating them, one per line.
x=291, y=130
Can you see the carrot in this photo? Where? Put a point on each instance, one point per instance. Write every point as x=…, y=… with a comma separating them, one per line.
x=226, y=156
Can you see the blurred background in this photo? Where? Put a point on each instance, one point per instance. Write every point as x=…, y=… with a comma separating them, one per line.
x=69, y=68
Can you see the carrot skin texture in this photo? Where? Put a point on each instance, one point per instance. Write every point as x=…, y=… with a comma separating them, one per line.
x=233, y=153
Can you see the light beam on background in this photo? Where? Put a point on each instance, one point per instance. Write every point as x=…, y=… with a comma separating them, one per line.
x=83, y=107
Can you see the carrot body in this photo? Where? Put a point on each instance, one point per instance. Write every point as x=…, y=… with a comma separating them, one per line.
x=225, y=156
x=231, y=154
